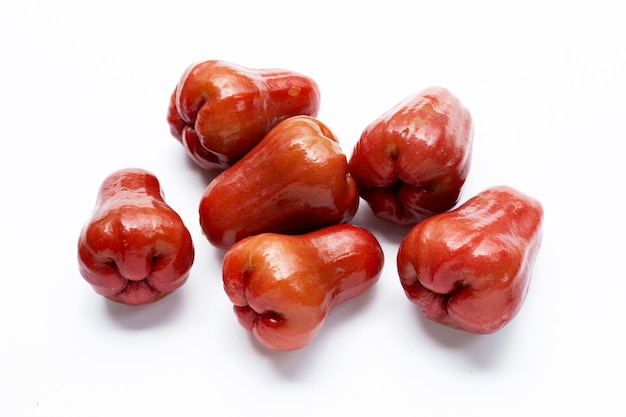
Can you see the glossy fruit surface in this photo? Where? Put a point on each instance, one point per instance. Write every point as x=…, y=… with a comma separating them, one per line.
x=220, y=110
x=470, y=268
x=294, y=181
x=284, y=286
x=134, y=249
x=412, y=162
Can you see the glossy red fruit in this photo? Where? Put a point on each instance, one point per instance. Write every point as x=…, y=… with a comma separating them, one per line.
x=283, y=287
x=470, y=268
x=219, y=110
x=134, y=249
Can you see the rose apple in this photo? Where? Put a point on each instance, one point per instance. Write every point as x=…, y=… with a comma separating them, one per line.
x=134, y=249
x=220, y=110
x=412, y=161
x=284, y=286
x=294, y=181
x=470, y=268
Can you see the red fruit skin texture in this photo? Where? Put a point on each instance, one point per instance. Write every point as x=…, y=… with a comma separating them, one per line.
x=470, y=268
x=294, y=181
x=134, y=249
x=283, y=287
x=412, y=162
x=220, y=110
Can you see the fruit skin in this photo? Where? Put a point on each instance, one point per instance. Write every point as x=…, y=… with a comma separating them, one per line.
x=412, y=161
x=220, y=110
x=294, y=181
x=284, y=286
x=134, y=249
x=470, y=268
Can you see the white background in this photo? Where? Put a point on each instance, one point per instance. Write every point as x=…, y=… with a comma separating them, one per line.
x=84, y=88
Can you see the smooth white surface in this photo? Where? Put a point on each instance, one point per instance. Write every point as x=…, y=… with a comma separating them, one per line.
x=84, y=89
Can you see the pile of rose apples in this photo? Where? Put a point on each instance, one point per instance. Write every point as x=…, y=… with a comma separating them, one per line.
x=281, y=204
